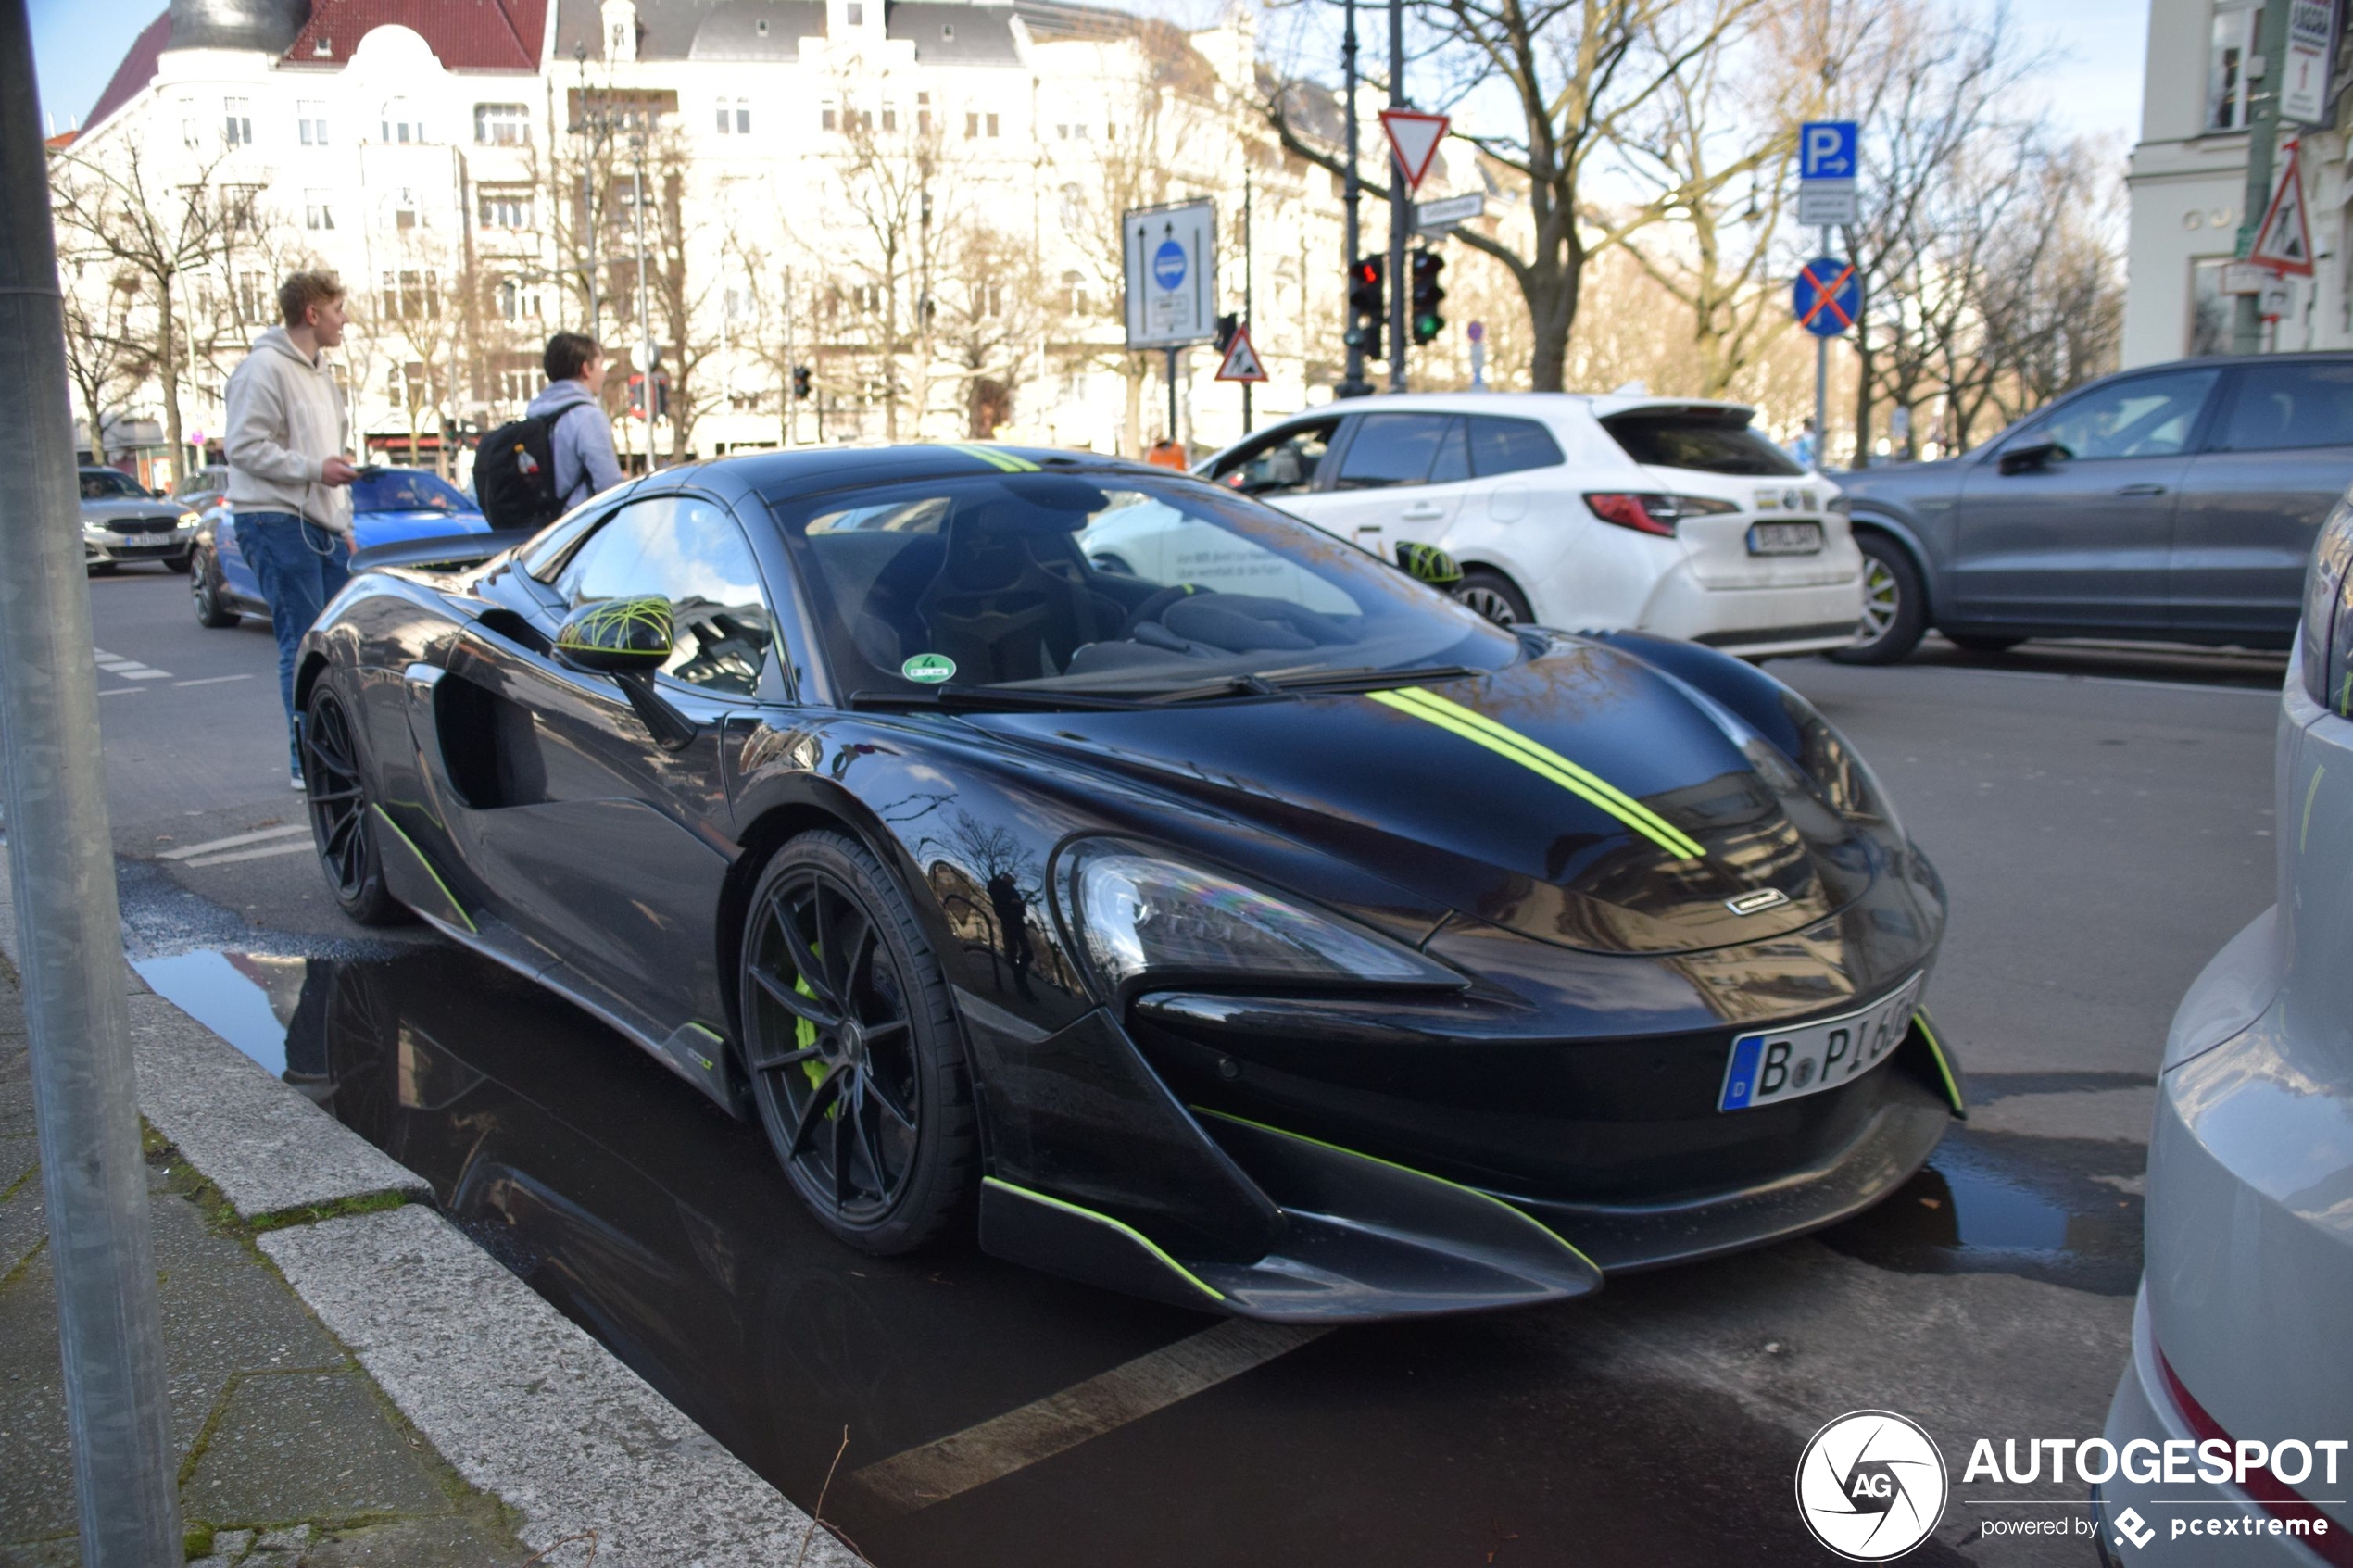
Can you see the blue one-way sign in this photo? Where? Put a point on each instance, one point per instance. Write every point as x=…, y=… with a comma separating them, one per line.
x=1825, y=149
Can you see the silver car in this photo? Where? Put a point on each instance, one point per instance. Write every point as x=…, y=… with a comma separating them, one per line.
x=122, y=522
x=2239, y=1338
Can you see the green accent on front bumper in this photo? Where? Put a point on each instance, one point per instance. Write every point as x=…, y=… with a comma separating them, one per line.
x=1130, y=1232
x=1513, y=1210
x=1944, y=1066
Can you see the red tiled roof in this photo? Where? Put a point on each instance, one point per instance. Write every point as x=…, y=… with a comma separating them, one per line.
x=464, y=34
x=138, y=69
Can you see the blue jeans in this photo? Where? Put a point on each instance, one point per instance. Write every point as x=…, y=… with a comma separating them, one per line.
x=300, y=566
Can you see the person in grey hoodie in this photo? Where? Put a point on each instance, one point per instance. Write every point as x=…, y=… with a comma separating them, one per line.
x=289, y=475
x=581, y=444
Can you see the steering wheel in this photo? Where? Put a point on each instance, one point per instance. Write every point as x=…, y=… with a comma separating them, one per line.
x=1150, y=608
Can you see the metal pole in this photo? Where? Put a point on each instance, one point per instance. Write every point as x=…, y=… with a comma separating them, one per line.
x=94, y=1182
x=645, y=310
x=1822, y=385
x=2263, y=134
x=1171, y=395
x=1353, y=384
x=1401, y=217
x=1247, y=191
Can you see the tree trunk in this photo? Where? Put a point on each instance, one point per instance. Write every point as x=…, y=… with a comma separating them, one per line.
x=1133, y=439
x=169, y=359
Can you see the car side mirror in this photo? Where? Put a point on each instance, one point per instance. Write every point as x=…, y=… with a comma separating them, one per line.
x=2032, y=459
x=1427, y=563
x=629, y=640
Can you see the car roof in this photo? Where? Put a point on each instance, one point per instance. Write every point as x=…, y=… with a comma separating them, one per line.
x=809, y=470
x=1544, y=404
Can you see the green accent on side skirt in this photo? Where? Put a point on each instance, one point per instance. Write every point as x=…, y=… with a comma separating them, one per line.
x=1544, y=762
x=718, y=1043
x=456, y=908
x=1512, y=1209
x=1944, y=1068
x=1130, y=1232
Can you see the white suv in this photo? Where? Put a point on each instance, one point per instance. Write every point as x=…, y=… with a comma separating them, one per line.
x=1649, y=514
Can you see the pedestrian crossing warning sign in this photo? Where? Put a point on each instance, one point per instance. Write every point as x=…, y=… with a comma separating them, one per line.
x=1242, y=359
x=2285, y=242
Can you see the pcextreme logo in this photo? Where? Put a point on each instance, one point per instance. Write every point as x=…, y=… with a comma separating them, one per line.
x=1872, y=1485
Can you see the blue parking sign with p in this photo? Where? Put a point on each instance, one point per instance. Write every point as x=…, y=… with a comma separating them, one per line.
x=1826, y=150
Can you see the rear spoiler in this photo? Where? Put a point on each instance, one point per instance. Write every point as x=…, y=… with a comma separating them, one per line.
x=447, y=551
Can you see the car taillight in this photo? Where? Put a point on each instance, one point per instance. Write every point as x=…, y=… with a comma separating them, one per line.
x=1654, y=514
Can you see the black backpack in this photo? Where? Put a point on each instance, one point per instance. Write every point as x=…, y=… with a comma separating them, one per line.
x=515, y=475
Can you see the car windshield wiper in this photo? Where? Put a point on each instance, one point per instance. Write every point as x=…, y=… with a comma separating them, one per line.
x=980, y=698
x=1279, y=684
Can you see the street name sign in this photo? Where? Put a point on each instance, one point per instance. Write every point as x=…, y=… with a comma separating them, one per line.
x=1446, y=213
x=2312, y=37
x=1829, y=158
x=1169, y=258
x=1828, y=296
x=1242, y=359
x=1413, y=137
x=2284, y=243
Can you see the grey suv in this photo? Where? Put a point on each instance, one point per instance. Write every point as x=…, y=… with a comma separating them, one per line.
x=2173, y=503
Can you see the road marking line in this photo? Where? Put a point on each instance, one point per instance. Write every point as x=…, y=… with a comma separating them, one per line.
x=212, y=680
x=301, y=849
x=121, y=691
x=916, y=1478
x=141, y=672
x=234, y=841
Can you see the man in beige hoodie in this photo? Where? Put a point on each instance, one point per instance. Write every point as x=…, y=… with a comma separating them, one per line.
x=288, y=474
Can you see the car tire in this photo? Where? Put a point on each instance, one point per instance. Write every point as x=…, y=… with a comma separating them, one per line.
x=1894, y=608
x=1972, y=642
x=100, y=568
x=204, y=589
x=894, y=1094
x=343, y=828
x=1494, y=595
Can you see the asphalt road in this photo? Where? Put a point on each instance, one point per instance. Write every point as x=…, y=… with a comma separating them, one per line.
x=2102, y=817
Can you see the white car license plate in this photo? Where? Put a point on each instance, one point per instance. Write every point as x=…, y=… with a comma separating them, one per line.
x=1783, y=1064
x=1785, y=539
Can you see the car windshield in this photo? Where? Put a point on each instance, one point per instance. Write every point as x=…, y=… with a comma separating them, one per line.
x=105, y=484
x=1116, y=583
x=404, y=490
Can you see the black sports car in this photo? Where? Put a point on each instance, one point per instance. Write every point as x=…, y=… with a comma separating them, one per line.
x=1228, y=916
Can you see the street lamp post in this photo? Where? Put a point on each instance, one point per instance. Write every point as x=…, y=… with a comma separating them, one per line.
x=1352, y=385
x=645, y=314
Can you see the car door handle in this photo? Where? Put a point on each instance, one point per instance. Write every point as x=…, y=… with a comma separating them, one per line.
x=1423, y=513
x=2140, y=490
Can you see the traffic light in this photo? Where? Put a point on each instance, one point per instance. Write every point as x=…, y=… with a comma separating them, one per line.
x=800, y=384
x=661, y=395
x=1367, y=305
x=1226, y=326
x=1428, y=322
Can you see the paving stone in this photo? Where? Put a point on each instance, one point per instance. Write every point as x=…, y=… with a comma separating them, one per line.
x=449, y=1542
x=300, y=1445
x=36, y=1476
x=228, y=1546
x=64, y=1552
x=22, y=1220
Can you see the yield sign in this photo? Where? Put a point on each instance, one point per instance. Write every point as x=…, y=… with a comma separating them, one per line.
x=1413, y=137
x=1242, y=359
x=2284, y=243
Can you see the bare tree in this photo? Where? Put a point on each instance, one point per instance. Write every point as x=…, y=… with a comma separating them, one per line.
x=991, y=306
x=118, y=207
x=687, y=265
x=894, y=184
x=105, y=359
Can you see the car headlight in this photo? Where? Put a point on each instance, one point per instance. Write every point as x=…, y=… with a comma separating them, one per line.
x=189, y=520
x=1134, y=912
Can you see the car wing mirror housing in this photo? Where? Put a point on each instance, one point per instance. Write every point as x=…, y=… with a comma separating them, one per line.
x=629, y=640
x=1427, y=563
x=2032, y=459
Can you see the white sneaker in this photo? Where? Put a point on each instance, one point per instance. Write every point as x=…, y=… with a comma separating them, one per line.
x=297, y=781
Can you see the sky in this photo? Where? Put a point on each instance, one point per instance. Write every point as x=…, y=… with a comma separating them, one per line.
x=2095, y=84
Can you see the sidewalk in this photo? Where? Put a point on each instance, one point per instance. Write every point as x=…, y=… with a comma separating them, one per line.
x=291, y=1456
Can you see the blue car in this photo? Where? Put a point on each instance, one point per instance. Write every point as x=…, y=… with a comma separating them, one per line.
x=388, y=506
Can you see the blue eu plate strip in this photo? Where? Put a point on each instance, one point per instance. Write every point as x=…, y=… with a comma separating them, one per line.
x=1742, y=1078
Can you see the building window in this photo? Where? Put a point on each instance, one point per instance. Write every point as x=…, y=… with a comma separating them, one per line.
x=2211, y=309
x=948, y=33
x=992, y=125
x=399, y=123
x=411, y=296
x=505, y=207
x=971, y=126
x=989, y=300
x=317, y=213
x=828, y=119
x=501, y=125
x=2227, y=64
x=1074, y=294
x=857, y=14
x=735, y=116
x=310, y=119
x=518, y=302
x=255, y=301
x=237, y=121
x=404, y=208
x=890, y=117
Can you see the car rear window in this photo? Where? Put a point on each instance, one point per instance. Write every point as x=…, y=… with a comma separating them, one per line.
x=1707, y=440
x=1510, y=446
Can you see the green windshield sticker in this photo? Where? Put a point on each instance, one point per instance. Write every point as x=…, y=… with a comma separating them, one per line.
x=931, y=669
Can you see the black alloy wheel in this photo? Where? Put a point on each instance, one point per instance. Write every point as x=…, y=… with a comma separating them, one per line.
x=204, y=592
x=850, y=1044
x=1894, y=607
x=340, y=825
x=1494, y=595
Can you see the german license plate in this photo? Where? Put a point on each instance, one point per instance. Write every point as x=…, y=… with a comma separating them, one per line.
x=1784, y=538
x=1783, y=1064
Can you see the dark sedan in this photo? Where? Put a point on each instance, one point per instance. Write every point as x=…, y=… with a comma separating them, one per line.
x=2176, y=503
x=121, y=522
x=1303, y=947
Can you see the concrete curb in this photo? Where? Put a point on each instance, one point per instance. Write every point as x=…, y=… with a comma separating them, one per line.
x=520, y=1401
